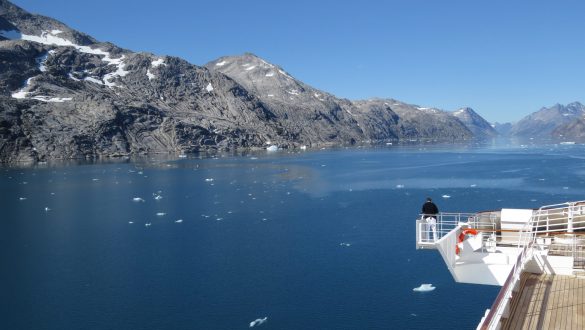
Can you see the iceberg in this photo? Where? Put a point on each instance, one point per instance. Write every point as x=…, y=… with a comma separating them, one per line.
x=272, y=148
x=258, y=322
x=424, y=288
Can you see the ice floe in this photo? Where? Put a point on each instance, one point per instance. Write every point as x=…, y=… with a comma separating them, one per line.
x=22, y=199
x=209, y=180
x=138, y=199
x=345, y=244
x=424, y=288
x=272, y=148
x=179, y=221
x=399, y=186
x=258, y=322
x=148, y=224
x=161, y=214
x=446, y=196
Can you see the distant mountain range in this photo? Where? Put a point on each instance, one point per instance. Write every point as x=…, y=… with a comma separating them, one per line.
x=559, y=122
x=64, y=94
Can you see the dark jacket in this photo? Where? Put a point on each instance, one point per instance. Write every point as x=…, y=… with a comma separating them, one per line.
x=429, y=208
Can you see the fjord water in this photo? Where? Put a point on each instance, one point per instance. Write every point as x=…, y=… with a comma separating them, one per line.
x=315, y=240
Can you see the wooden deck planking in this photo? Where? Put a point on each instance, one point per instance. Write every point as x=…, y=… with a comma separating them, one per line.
x=549, y=302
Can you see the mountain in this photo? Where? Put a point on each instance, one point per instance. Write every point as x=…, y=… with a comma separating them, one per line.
x=551, y=122
x=503, y=129
x=64, y=94
x=318, y=117
x=475, y=123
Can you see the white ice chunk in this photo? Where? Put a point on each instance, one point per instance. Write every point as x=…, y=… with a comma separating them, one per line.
x=148, y=224
x=209, y=87
x=446, y=196
x=161, y=214
x=303, y=147
x=272, y=148
x=209, y=180
x=137, y=199
x=258, y=322
x=399, y=186
x=424, y=288
x=179, y=221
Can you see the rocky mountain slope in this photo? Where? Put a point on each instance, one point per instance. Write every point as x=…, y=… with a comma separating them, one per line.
x=64, y=94
x=476, y=124
x=556, y=122
x=319, y=117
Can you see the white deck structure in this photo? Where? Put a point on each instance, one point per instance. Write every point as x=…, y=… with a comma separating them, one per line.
x=496, y=247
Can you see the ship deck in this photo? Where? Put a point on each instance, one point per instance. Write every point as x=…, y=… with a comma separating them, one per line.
x=548, y=302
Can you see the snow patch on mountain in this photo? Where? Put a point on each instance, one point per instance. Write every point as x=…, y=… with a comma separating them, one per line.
x=209, y=88
x=158, y=62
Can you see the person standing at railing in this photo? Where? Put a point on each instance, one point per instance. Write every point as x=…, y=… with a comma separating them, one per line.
x=429, y=212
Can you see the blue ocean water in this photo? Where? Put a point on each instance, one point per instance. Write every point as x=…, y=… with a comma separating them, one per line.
x=314, y=240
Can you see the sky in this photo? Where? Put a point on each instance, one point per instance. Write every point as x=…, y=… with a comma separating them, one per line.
x=504, y=59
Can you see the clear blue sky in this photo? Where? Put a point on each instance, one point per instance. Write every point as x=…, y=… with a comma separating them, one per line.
x=505, y=59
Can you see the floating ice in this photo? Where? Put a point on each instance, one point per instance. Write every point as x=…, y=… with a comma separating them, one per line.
x=258, y=322
x=209, y=180
x=179, y=221
x=161, y=214
x=137, y=199
x=473, y=185
x=157, y=197
x=345, y=244
x=130, y=222
x=148, y=224
x=47, y=209
x=424, y=288
x=399, y=186
x=272, y=148
x=22, y=199
x=303, y=147
x=446, y=196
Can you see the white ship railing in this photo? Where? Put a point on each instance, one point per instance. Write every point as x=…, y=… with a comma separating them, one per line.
x=547, y=222
x=429, y=232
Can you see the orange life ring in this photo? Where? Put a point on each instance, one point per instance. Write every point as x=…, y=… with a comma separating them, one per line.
x=461, y=238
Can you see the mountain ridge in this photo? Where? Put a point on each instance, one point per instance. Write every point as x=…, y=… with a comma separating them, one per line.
x=64, y=94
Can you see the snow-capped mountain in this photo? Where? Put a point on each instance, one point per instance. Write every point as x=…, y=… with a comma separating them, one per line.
x=476, y=124
x=557, y=121
x=64, y=94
